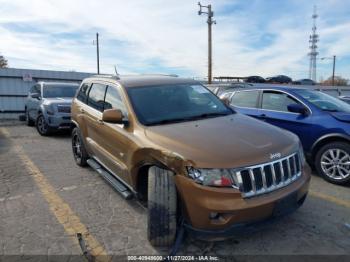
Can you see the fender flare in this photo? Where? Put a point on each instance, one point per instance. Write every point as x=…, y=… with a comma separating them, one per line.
x=331, y=135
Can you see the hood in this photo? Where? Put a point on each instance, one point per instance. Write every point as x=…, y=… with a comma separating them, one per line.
x=341, y=116
x=224, y=142
x=58, y=100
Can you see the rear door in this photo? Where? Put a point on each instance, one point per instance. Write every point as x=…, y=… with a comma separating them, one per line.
x=274, y=109
x=92, y=118
x=246, y=102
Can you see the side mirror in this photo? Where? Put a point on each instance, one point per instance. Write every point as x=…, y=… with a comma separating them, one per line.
x=114, y=116
x=225, y=100
x=35, y=95
x=297, y=108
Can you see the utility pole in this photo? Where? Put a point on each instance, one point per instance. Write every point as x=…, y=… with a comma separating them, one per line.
x=334, y=57
x=98, y=54
x=210, y=21
x=333, y=74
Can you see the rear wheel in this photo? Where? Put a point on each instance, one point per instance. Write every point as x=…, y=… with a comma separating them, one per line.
x=162, y=207
x=332, y=162
x=29, y=121
x=79, y=152
x=42, y=126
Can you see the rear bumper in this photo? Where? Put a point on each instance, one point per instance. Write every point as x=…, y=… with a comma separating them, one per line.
x=234, y=212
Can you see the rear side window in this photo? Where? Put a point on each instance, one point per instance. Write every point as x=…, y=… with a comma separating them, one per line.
x=82, y=94
x=245, y=99
x=277, y=101
x=113, y=100
x=96, y=96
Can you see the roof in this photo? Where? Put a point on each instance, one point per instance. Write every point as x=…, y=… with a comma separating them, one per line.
x=129, y=81
x=57, y=83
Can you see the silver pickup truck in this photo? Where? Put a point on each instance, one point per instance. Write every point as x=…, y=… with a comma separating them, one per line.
x=48, y=106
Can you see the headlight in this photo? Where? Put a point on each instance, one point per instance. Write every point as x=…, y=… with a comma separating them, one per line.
x=212, y=177
x=49, y=109
x=301, y=154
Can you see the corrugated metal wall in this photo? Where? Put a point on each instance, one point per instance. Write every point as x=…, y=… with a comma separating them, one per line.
x=15, y=84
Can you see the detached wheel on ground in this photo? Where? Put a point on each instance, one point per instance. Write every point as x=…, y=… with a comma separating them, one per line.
x=332, y=162
x=29, y=121
x=42, y=126
x=79, y=152
x=162, y=201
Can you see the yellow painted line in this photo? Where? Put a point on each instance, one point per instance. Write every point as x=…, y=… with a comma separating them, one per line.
x=329, y=198
x=62, y=211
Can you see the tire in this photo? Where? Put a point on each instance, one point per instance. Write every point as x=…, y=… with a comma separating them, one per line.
x=42, y=126
x=79, y=151
x=332, y=162
x=162, y=207
x=28, y=120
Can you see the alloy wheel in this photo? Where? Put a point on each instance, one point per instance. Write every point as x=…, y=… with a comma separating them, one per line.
x=335, y=163
x=76, y=144
x=42, y=126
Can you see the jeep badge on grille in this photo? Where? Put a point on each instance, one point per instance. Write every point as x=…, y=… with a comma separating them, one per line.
x=275, y=155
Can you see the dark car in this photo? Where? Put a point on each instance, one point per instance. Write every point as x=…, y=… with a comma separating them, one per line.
x=321, y=121
x=280, y=79
x=304, y=82
x=346, y=99
x=255, y=79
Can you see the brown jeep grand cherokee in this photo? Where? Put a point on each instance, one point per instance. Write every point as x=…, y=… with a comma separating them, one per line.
x=171, y=142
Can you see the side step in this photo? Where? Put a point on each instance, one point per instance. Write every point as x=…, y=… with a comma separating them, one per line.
x=114, y=182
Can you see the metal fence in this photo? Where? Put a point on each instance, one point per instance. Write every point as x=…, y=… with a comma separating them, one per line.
x=15, y=84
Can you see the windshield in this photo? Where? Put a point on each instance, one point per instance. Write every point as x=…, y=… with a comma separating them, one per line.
x=52, y=91
x=164, y=104
x=323, y=101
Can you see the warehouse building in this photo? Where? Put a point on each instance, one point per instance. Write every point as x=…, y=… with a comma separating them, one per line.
x=15, y=84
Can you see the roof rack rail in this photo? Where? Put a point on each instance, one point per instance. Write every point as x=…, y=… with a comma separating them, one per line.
x=116, y=77
x=172, y=75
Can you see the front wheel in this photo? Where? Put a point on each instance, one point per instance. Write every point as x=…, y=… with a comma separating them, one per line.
x=162, y=207
x=42, y=126
x=332, y=162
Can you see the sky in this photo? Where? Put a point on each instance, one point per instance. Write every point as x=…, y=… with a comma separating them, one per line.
x=250, y=37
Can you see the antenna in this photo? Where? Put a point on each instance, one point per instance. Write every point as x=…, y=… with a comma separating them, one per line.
x=115, y=70
x=314, y=38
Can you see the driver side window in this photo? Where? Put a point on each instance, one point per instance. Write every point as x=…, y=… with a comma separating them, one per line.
x=277, y=101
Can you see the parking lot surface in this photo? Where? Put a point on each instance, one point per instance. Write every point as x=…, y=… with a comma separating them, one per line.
x=46, y=199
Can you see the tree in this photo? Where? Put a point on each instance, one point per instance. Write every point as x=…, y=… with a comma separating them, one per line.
x=338, y=81
x=3, y=62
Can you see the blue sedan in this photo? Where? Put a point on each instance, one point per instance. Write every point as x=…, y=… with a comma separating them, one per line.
x=321, y=121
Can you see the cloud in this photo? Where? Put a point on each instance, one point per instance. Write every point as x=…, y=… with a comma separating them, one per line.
x=258, y=37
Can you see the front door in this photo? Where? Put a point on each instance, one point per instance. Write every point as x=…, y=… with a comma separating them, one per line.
x=115, y=138
x=274, y=109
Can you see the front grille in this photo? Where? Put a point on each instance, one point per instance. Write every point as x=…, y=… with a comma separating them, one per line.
x=63, y=109
x=267, y=177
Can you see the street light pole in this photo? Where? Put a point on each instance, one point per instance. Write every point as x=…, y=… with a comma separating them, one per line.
x=334, y=57
x=210, y=21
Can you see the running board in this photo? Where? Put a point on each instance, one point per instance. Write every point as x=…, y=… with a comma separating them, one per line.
x=111, y=179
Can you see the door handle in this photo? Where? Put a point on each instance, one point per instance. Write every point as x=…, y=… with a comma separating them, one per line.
x=82, y=110
x=262, y=115
x=100, y=121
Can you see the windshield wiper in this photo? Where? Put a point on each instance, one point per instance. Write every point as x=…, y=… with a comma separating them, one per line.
x=331, y=110
x=184, y=119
